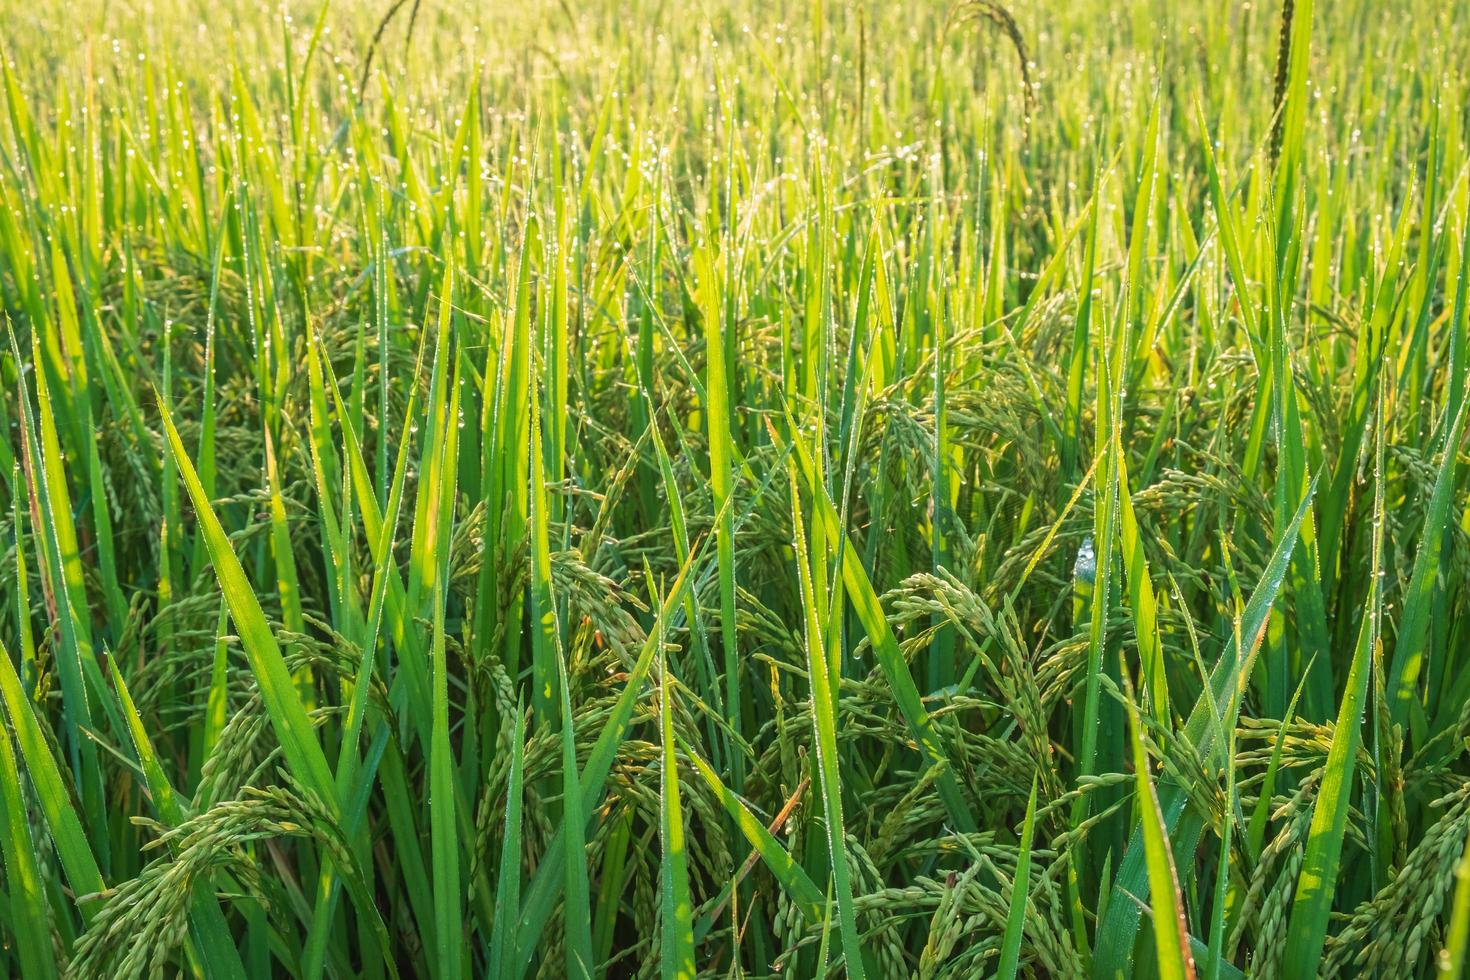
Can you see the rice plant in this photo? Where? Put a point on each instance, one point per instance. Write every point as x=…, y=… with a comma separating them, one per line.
x=947, y=489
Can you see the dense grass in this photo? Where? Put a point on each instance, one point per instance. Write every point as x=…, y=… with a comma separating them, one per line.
x=735, y=489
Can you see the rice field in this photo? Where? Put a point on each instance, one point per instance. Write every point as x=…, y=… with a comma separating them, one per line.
x=628, y=489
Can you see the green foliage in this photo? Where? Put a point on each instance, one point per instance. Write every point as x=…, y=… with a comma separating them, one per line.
x=948, y=489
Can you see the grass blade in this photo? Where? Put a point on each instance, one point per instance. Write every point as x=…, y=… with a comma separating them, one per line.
x=278, y=690
x=1312, y=904
x=824, y=735
x=676, y=909
x=1010, y=943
